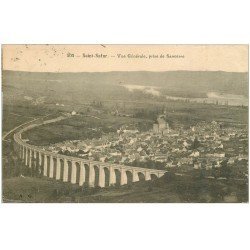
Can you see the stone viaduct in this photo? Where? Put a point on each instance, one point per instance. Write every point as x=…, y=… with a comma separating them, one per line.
x=77, y=170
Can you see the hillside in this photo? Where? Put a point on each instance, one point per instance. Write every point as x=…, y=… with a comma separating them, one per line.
x=165, y=189
x=189, y=81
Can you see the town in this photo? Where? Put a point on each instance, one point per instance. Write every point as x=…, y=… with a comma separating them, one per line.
x=205, y=146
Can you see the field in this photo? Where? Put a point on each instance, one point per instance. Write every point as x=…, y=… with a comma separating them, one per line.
x=81, y=128
x=166, y=189
x=16, y=114
x=88, y=125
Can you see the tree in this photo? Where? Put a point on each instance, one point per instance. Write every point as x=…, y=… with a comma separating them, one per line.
x=196, y=143
x=225, y=170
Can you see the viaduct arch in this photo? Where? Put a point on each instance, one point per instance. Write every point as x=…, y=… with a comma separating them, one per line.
x=77, y=170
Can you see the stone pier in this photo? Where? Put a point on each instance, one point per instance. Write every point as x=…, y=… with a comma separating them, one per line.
x=123, y=177
x=40, y=158
x=73, y=172
x=58, y=168
x=26, y=157
x=23, y=154
x=65, y=171
x=51, y=167
x=147, y=176
x=101, y=177
x=91, y=175
x=35, y=163
x=45, y=165
x=112, y=178
x=135, y=176
x=82, y=176
x=30, y=158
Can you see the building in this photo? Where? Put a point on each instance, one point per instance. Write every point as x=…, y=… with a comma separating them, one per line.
x=161, y=126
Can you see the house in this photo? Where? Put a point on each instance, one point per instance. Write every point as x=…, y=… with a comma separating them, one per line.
x=103, y=159
x=195, y=154
x=197, y=165
x=209, y=166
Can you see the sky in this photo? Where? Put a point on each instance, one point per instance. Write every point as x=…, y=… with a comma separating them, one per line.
x=59, y=58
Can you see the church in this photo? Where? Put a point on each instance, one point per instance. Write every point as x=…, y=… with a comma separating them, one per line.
x=161, y=126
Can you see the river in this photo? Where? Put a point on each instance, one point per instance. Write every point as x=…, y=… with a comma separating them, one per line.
x=216, y=97
x=212, y=97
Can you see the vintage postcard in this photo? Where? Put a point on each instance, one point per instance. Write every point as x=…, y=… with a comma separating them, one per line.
x=125, y=123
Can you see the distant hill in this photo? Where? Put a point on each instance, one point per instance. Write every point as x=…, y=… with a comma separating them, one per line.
x=107, y=84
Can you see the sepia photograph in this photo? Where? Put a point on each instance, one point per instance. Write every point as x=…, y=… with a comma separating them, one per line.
x=124, y=123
